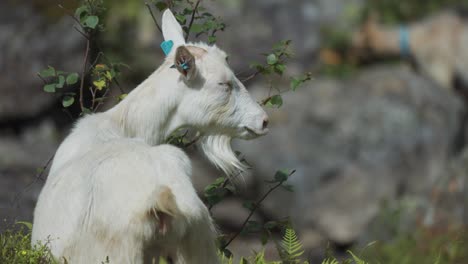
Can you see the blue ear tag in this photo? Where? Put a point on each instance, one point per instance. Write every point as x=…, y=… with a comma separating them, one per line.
x=184, y=66
x=166, y=46
x=405, y=49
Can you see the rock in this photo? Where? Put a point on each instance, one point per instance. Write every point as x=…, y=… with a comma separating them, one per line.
x=20, y=158
x=354, y=143
x=30, y=149
x=28, y=43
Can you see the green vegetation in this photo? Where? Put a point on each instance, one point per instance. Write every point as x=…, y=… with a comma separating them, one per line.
x=99, y=75
x=425, y=246
x=15, y=247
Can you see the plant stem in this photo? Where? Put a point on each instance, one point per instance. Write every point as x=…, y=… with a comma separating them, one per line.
x=256, y=206
x=36, y=178
x=83, y=72
x=152, y=15
x=192, y=19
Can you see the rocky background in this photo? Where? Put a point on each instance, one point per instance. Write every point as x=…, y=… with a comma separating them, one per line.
x=383, y=135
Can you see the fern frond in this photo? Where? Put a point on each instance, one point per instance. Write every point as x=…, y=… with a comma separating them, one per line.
x=291, y=245
x=356, y=259
x=330, y=261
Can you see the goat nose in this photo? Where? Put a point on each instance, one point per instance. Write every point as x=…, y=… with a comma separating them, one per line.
x=265, y=123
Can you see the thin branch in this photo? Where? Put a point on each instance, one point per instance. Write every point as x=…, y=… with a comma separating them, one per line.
x=256, y=206
x=102, y=101
x=40, y=77
x=95, y=62
x=192, y=19
x=83, y=72
x=152, y=15
x=122, y=90
x=69, y=13
x=37, y=177
x=248, y=78
x=81, y=32
x=222, y=187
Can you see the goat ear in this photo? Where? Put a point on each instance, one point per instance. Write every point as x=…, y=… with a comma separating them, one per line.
x=185, y=62
x=171, y=29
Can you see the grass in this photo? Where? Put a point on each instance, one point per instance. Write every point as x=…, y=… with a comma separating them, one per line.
x=427, y=245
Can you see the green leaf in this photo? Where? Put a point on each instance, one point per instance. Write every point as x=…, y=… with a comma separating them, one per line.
x=281, y=175
x=72, y=78
x=295, y=83
x=291, y=245
x=49, y=72
x=243, y=261
x=270, y=224
x=227, y=253
x=257, y=66
x=50, y=88
x=81, y=10
x=272, y=59
x=122, y=96
x=86, y=111
x=100, y=84
x=161, y=5
x=181, y=19
x=288, y=187
x=61, y=82
x=91, y=21
x=27, y=224
x=281, y=44
x=279, y=68
x=211, y=39
x=67, y=101
x=197, y=28
x=264, y=236
x=249, y=205
x=275, y=101
x=356, y=259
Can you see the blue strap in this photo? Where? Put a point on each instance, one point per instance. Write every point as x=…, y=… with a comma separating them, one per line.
x=405, y=49
x=166, y=46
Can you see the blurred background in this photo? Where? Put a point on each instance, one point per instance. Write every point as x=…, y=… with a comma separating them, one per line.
x=377, y=138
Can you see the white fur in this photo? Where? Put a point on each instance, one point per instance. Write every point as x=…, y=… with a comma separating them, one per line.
x=172, y=30
x=105, y=192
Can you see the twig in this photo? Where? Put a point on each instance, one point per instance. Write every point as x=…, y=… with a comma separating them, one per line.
x=222, y=187
x=102, y=101
x=81, y=32
x=192, y=19
x=83, y=72
x=69, y=13
x=40, y=77
x=92, y=65
x=248, y=78
x=152, y=15
x=37, y=177
x=252, y=211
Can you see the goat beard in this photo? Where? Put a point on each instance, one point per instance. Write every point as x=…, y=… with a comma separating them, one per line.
x=218, y=150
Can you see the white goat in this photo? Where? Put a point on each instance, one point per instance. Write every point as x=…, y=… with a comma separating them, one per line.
x=113, y=187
